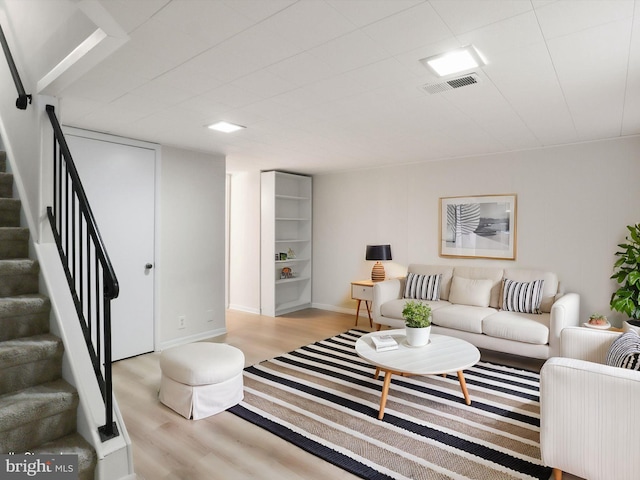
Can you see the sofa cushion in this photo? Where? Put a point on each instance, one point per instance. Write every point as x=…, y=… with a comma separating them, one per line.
x=624, y=352
x=422, y=287
x=522, y=297
x=445, y=279
x=521, y=327
x=491, y=273
x=393, y=308
x=469, y=291
x=549, y=290
x=462, y=317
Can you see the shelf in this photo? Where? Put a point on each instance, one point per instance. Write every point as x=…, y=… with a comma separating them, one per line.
x=291, y=197
x=292, y=280
x=285, y=226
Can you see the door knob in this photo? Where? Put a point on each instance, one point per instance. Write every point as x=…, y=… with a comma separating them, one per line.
x=148, y=266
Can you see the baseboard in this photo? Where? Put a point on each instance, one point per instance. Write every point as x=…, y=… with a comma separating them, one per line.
x=192, y=338
x=241, y=308
x=333, y=308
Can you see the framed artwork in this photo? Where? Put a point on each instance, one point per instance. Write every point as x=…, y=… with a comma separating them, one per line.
x=478, y=227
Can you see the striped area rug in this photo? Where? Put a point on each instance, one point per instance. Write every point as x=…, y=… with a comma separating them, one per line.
x=324, y=399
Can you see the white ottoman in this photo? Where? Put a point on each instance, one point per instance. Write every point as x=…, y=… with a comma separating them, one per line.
x=201, y=379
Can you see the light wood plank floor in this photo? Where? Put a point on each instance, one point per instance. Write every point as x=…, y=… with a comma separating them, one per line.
x=167, y=446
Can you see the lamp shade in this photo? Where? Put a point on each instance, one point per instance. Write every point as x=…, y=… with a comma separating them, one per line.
x=378, y=252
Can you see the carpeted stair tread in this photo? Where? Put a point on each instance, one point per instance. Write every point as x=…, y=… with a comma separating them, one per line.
x=18, y=277
x=14, y=242
x=29, y=361
x=29, y=349
x=6, y=185
x=73, y=444
x=9, y=212
x=3, y=161
x=46, y=400
x=24, y=316
x=37, y=415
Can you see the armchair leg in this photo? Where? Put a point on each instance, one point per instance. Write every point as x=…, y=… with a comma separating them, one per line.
x=557, y=474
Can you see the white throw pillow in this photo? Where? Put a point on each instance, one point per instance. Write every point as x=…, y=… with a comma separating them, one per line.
x=470, y=291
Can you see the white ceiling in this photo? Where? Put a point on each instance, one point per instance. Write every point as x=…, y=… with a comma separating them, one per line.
x=325, y=85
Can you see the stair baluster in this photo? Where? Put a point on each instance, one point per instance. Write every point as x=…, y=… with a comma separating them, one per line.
x=73, y=225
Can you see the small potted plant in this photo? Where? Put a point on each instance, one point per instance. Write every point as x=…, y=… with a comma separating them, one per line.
x=417, y=318
x=598, y=320
x=626, y=299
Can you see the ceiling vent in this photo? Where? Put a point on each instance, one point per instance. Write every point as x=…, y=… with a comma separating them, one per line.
x=452, y=84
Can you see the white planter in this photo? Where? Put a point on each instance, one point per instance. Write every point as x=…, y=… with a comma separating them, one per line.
x=627, y=327
x=418, y=337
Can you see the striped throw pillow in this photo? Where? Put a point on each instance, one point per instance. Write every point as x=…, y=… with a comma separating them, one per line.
x=522, y=297
x=422, y=287
x=624, y=352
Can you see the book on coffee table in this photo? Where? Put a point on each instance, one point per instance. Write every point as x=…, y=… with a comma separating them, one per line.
x=384, y=342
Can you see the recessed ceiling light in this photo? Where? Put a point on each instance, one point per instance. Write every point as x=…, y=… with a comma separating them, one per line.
x=225, y=127
x=455, y=61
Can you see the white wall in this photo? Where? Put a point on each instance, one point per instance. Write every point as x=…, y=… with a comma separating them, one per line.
x=244, y=244
x=573, y=205
x=191, y=260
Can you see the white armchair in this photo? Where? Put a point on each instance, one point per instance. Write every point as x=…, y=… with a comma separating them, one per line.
x=589, y=412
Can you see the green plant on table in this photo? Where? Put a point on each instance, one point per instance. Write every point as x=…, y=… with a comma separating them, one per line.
x=416, y=314
x=626, y=299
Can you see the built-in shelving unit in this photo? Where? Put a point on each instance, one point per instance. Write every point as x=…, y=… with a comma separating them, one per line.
x=285, y=231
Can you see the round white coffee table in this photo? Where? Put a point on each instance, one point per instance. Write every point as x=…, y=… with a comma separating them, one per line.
x=443, y=354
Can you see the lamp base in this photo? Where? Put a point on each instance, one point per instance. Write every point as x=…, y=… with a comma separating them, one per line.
x=377, y=272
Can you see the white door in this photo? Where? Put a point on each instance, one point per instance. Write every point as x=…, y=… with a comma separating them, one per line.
x=119, y=181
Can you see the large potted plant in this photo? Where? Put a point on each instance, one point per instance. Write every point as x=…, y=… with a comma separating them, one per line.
x=417, y=319
x=626, y=299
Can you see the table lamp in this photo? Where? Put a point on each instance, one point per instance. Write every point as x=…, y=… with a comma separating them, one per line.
x=377, y=253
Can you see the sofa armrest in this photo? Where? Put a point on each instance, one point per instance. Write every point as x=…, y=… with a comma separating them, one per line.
x=565, y=312
x=586, y=344
x=391, y=289
x=589, y=419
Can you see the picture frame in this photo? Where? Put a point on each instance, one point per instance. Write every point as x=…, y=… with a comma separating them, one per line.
x=482, y=226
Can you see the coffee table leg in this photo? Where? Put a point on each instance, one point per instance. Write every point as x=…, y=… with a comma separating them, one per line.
x=463, y=386
x=385, y=391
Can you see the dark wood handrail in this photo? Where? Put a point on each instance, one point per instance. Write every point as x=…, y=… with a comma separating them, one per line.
x=23, y=97
x=70, y=218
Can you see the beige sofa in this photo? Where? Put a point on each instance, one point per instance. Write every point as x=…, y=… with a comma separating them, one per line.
x=470, y=307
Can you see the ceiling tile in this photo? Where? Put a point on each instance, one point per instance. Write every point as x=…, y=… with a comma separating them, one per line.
x=258, y=10
x=527, y=79
x=463, y=16
x=177, y=47
x=570, y=16
x=211, y=22
x=409, y=29
x=521, y=30
x=263, y=84
x=365, y=12
x=308, y=23
x=301, y=69
x=356, y=50
x=593, y=76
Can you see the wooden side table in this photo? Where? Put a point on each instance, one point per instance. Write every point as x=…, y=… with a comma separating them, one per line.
x=363, y=290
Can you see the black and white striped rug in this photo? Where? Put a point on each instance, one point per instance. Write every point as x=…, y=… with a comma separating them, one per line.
x=324, y=399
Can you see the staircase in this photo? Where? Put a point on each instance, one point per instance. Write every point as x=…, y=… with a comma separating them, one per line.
x=38, y=409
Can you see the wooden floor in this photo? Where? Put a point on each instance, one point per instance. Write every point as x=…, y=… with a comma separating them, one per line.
x=167, y=446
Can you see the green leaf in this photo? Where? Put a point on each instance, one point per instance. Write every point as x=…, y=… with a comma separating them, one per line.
x=633, y=277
